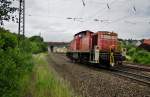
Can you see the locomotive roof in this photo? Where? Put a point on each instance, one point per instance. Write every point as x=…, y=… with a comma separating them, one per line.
x=83, y=32
x=102, y=32
x=107, y=33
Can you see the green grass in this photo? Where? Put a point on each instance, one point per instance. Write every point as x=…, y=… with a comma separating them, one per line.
x=45, y=82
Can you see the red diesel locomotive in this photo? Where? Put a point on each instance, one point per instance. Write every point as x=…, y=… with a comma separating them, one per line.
x=101, y=47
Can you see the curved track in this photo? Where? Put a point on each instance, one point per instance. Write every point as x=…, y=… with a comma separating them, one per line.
x=137, y=67
x=127, y=72
x=132, y=75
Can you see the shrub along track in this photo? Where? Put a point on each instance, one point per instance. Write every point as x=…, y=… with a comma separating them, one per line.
x=90, y=82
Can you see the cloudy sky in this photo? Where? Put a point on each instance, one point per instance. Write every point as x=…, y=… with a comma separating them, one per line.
x=129, y=18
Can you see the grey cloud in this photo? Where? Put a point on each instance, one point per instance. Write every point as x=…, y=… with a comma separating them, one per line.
x=49, y=17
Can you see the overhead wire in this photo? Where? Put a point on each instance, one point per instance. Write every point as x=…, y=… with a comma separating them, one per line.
x=108, y=4
x=102, y=20
x=83, y=2
x=88, y=18
x=32, y=15
x=79, y=19
x=124, y=17
x=82, y=20
x=101, y=10
x=134, y=8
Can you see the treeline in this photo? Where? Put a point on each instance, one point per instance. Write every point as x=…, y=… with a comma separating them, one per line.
x=136, y=54
x=16, y=61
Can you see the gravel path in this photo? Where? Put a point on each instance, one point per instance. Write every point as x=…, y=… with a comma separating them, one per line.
x=89, y=82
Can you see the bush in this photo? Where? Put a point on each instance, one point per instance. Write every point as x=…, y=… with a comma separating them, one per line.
x=138, y=55
x=7, y=40
x=37, y=44
x=142, y=57
x=15, y=62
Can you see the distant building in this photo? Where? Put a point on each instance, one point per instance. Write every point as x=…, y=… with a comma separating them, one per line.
x=146, y=41
x=57, y=47
x=133, y=42
x=145, y=44
x=138, y=43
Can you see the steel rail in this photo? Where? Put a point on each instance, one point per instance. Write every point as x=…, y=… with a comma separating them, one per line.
x=127, y=74
x=136, y=67
x=137, y=77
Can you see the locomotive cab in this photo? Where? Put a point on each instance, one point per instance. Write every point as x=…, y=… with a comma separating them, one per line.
x=104, y=46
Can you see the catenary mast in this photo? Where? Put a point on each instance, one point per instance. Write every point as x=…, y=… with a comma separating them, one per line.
x=21, y=25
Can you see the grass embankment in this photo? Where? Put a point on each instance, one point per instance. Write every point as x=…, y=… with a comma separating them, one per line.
x=45, y=82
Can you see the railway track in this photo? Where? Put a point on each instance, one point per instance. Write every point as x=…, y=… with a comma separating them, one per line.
x=129, y=73
x=141, y=68
x=132, y=75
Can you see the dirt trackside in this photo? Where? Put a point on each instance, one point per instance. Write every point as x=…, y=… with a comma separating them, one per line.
x=92, y=83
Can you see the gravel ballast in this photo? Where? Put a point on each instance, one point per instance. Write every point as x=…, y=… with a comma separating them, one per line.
x=89, y=82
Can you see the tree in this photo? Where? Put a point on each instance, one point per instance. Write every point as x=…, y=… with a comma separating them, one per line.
x=7, y=39
x=36, y=38
x=38, y=44
x=6, y=11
